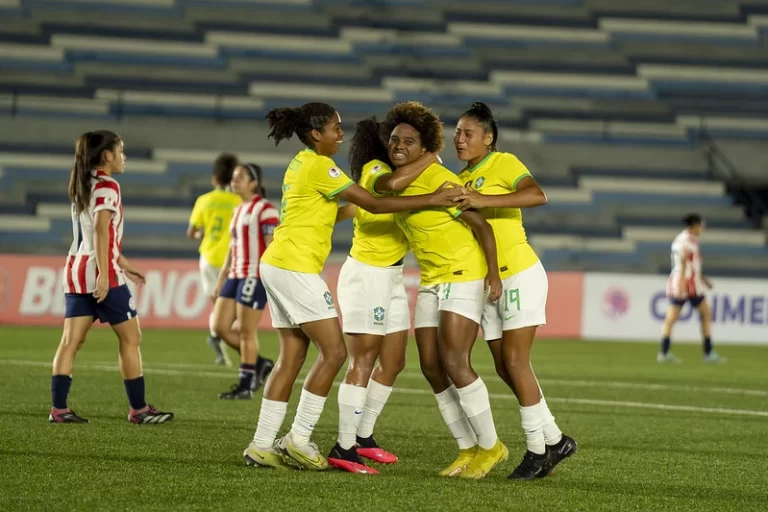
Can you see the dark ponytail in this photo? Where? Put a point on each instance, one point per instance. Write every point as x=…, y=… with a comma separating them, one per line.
x=89, y=149
x=367, y=144
x=285, y=121
x=481, y=113
x=257, y=174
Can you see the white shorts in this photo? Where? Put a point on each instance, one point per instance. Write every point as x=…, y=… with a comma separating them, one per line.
x=522, y=304
x=467, y=299
x=372, y=299
x=296, y=298
x=209, y=275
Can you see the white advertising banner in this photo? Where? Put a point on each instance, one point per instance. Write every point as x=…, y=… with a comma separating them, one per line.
x=632, y=307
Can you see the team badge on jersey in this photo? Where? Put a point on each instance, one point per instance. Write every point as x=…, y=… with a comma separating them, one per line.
x=376, y=168
x=333, y=172
x=479, y=182
x=378, y=315
x=328, y=298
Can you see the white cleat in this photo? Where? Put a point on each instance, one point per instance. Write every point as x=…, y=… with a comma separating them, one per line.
x=306, y=456
x=668, y=358
x=714, y=357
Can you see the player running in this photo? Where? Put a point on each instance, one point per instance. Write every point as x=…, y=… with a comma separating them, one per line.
x=498, y=185
x=300, y=303
x=240, y=295
x=94, y=277
x=687, y=284
x=208, y=223
x=458, y=277
x=372, y=298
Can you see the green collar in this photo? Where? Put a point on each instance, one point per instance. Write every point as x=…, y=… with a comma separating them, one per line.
x=472, y=169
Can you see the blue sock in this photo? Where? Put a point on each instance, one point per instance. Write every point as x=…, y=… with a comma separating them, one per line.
x=247, y=372
x=665, y=341
x=707, y=345
x=60, y=385
x=134, y=388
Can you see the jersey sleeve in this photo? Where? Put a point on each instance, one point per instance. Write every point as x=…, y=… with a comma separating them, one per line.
x=372, y=172
x=328, y=179
x=511, y=171
x=268, y=219
x=106, y=196
x=437, y=181
x=196, y=218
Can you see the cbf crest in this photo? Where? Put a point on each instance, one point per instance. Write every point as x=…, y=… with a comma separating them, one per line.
x=479, y=182
x=328, y=298
x=378, y=315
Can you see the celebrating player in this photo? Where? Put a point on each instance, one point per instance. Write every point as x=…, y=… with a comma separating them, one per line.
x=300, y=304
x=209, y=220
x=239, y=289
x=498, y=185
x=372, y=298
x=686, y=284
x=457, y=279
x=94, y=277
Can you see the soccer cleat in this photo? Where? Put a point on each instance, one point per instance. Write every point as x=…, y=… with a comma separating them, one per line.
x=669, y=357
x=301, y=457
x=262, y=373
x=461, y=463
x=532, y=466
x=65, y=416
x=236, y=393
x=150, y=417
x=485, y=461
x=714, y=357
x=271, y=458
x=368, y=447
x=561, y=451
x=349, y=461
x=218, y=349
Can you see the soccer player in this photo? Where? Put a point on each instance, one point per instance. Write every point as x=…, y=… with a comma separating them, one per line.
x=239, y=284
x=686, y=284
x=458, y=277
x=498, y=185
x=372, y=298
x=94, y=277
x=300, y=303
x=209, y=220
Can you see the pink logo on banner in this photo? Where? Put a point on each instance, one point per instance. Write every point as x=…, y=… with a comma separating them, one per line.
x=615, y=302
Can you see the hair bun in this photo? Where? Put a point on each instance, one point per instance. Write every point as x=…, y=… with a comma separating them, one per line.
x=481, y=108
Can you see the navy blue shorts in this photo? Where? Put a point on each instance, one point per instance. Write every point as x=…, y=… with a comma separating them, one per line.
x=248, y=292
x=695, y=301
x=117, y=308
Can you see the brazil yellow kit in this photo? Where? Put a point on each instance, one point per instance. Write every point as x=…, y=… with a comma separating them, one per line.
x=212, y=213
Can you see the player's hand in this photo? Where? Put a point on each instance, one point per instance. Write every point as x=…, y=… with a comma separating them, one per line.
x=217, y=289
x=471, y=198
x=135, y=275
x=493, y=286
x=102, y=287
x=446, y=194
x=708, y=283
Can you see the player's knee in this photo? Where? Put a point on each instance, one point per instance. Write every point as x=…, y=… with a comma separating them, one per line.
x=361, y=365
x=70, y=343
x=514, y=360
x=501, y=370
x=454, y=364
x=431, y=369
x=335, y=355
x=393, y=366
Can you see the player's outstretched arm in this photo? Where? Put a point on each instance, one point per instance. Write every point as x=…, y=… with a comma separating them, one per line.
x=484, y=234
x=405, y=175
x=345, y=212
x=527, y=194
x=443, y=196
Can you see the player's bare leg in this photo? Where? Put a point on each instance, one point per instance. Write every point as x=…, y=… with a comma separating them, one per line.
x=72, y=338
x=248, y=319
x=501, y=370
x=129, y=337
x=665, y=356
x=225, y=314
x=705, y=314
x=214, y=342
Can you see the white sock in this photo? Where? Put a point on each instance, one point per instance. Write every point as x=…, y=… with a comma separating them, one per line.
x=531, y=418
x=211, y=324
x=351, y=404
x=307, y=414
x=477, y=407
x=270, y=420
x=552, y=433
x=454, y=417
x=378, y=394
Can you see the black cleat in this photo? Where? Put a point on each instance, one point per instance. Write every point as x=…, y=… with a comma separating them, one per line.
x=368, y=447
x=561, y=451
x=236, y=393
x=67, y=416
x=264, y=368
x=532, y=466
x=349, y=461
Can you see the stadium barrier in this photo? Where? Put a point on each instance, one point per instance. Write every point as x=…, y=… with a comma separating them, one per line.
x=31, y=294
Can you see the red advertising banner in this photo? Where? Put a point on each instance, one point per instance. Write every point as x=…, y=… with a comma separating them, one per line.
x=31, y=294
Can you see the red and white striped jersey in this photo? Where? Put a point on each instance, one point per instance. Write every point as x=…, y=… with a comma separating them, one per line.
x=686, y=247
x=251, y=222
x=80, y=272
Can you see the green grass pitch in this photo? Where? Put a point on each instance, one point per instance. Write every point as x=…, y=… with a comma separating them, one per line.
x=651, y=437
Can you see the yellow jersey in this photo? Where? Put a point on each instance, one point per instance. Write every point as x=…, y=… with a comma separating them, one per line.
x=212, y=213
x=302, y=241
x=444, y=246
x=377, y=240
x=496, y=174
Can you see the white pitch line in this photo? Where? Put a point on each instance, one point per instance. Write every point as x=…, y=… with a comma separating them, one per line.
x=413, y=391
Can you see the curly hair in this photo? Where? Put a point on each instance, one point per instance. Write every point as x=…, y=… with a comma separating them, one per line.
x=422, y=119
x=367, y=144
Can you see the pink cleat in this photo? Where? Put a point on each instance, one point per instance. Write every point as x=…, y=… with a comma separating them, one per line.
x=349, y=461
x=368, y=448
